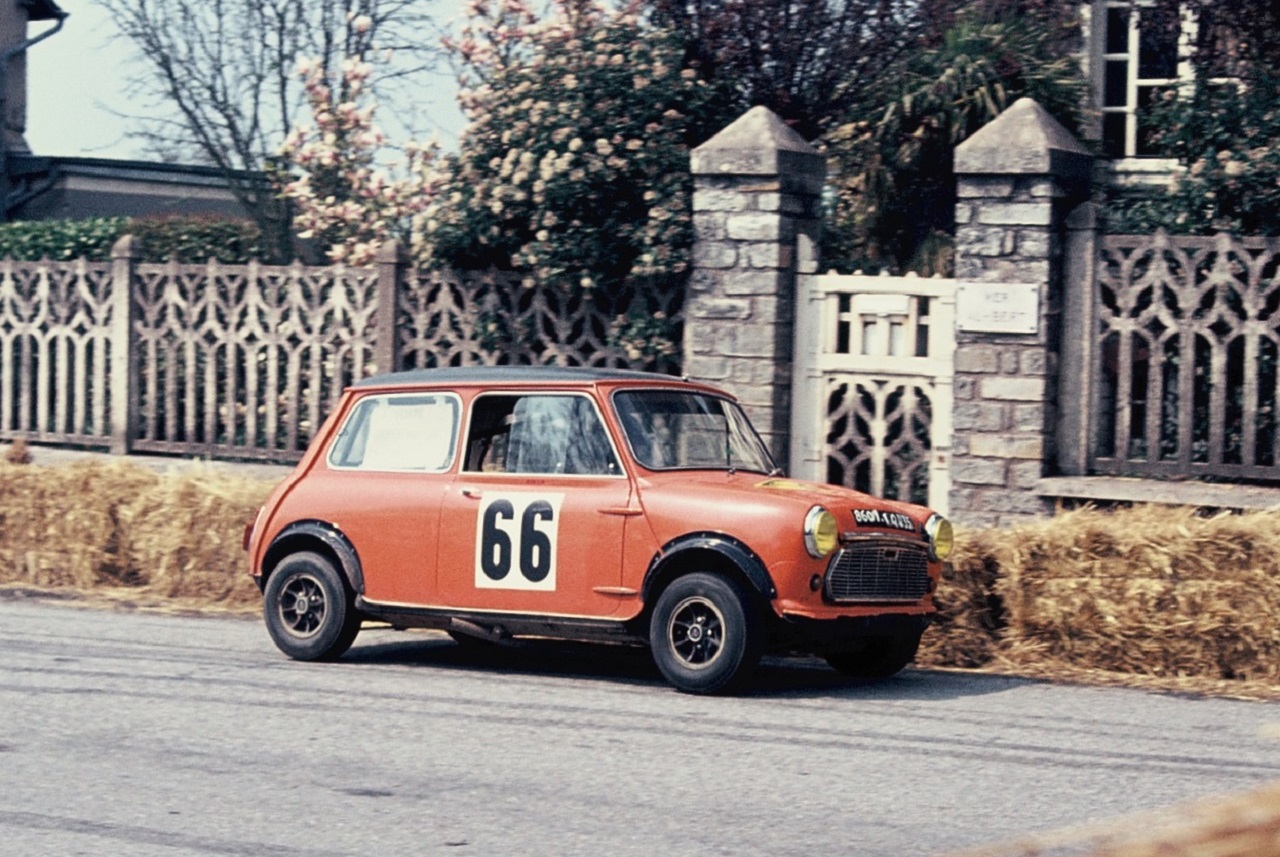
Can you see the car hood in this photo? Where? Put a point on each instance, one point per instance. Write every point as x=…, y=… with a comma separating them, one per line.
x=728, y=502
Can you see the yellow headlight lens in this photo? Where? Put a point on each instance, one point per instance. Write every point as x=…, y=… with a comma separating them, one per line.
x=941, y=537
x=820, y=532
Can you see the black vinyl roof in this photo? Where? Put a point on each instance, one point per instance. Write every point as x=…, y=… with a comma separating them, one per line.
x=511, y=375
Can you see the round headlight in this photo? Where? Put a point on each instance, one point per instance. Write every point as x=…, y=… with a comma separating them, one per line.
x=941, y=537
x=820, y=532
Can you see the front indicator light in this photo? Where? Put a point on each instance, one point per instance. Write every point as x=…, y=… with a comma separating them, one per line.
x=820, y=532
x=941, y=537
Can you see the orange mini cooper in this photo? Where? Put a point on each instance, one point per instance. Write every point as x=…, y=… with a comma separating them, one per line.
x=592, y=505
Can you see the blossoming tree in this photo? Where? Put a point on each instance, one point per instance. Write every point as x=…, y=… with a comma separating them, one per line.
x=573, y=171
x=220, y=73
x=575, y=166
x=344, y=199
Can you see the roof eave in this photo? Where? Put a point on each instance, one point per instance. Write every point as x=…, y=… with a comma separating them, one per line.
x=43, y=10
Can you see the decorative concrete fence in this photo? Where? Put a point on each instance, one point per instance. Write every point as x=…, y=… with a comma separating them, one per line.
x=245, y=361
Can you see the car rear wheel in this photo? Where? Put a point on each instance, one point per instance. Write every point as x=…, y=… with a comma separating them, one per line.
x=881, y=658
x=310, y=612
x=705, y=634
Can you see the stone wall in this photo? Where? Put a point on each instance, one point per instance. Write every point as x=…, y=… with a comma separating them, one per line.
x=757, y=200
x=757, y=189
x=1017, y=180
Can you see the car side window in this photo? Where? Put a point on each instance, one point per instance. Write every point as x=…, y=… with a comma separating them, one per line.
x=539, y=433
x=399, y=432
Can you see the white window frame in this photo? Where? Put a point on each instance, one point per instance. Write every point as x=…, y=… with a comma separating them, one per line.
x=1130, y=160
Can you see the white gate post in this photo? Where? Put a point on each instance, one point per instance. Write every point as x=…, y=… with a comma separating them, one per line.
x=808, y=410
x=942, y=345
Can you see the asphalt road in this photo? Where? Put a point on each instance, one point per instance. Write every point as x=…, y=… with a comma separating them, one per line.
x=133, y=734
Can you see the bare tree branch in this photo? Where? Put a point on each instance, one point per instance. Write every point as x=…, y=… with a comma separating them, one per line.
x=227, y=70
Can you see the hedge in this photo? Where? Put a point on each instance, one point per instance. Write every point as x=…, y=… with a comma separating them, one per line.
x=189, y=239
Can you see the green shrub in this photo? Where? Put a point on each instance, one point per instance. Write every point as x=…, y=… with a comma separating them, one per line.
x=574, y=168
x=196, y=239
x=61, y=240
x=1222, y=136
x=189, y=239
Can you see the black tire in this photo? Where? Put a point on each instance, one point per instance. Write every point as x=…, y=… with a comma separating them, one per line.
x=882, y=657
x=705, y=634
x=310, y=611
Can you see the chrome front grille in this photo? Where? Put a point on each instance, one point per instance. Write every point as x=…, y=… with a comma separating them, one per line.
x=878, y=570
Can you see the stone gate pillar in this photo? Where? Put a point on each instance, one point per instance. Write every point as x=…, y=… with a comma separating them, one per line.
x=756, y=209
x=1017, y=180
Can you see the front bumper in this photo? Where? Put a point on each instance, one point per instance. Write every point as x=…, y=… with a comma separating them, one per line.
x=843, y=632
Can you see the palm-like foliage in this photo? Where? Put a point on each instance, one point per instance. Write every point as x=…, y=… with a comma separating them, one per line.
x=894, y=199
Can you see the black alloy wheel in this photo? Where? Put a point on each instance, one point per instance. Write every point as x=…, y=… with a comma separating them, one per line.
x=705, y=634
x=309, y=609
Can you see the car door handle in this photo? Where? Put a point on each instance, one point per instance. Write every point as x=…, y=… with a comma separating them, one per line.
x=473, y=493
x=622, y=511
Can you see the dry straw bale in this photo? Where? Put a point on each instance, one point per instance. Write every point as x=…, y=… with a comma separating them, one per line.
x=185, y=536
x=1242, y=825
x=965, y=631
x=1152, y=590
x=61, y=526
x=18, y=452
x=115, y=523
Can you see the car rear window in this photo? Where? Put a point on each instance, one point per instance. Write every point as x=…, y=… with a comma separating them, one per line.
x=399, y=432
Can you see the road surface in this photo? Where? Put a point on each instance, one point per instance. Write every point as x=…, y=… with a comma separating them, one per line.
x=136, y=734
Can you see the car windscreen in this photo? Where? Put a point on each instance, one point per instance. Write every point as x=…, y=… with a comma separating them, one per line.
x=676, y=429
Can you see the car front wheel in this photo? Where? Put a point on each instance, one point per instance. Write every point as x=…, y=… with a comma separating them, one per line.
x=309, y=610
x=882, y=657
x=705, y=634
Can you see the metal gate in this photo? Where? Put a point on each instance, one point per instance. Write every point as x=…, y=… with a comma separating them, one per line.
x=872, y=386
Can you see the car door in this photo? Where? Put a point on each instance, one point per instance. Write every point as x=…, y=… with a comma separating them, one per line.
x=385, y=478
x=535, y=521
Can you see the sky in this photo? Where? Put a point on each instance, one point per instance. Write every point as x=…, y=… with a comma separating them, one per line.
x=75, y=87
x=78, y=103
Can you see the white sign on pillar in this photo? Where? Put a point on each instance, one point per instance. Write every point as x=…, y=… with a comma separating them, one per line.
x=998, y=307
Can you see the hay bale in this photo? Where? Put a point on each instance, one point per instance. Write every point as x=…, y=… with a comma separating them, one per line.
x=1153, y=591
x=61, y=526
x=1160, y=593
x=184, y=536
x=966, y=629
x=1239, y=825
x=110, y=523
